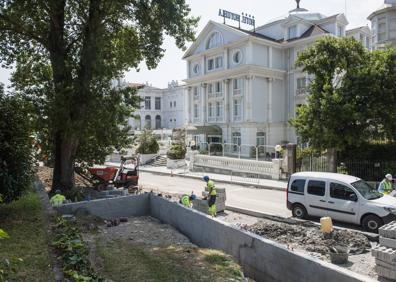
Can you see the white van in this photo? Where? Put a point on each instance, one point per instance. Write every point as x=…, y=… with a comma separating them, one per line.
x=342, y=197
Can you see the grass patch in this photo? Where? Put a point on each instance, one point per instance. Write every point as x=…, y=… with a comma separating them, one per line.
x=23, y=221
x=122, y=260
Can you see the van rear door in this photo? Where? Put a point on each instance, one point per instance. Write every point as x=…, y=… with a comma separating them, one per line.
x=316, y=197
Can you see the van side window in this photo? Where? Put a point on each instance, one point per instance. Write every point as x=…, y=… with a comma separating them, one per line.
x=316, y=188
x=339, y=191
x=298, y=186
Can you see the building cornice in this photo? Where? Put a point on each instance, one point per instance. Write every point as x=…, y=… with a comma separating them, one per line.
x=253, y=70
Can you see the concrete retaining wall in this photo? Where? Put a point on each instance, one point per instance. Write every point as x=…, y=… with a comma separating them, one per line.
x=261, y=259
x=136, y=205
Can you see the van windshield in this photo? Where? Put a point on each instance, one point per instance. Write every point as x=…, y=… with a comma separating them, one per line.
x=366, y=190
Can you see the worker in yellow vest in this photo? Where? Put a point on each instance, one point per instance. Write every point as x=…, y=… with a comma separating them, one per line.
x=57, y=199
x=211, y=196
x=386, y=186
x=187, y=200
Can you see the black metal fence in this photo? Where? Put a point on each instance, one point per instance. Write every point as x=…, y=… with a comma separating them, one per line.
x=367, y=170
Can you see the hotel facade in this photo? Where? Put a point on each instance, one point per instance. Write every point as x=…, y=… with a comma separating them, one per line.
x=242, y=85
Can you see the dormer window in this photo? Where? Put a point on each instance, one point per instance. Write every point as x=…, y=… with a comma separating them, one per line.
x=292, y=32
x=215, y=40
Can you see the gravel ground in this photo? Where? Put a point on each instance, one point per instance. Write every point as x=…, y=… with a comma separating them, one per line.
x=309, y=240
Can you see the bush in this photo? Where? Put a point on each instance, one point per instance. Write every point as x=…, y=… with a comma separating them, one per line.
x=177, y=152
x=147, y=143
x=16, y=158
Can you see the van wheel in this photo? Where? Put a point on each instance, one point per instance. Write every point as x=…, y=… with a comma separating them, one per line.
x=371, y=223
x=299, y=211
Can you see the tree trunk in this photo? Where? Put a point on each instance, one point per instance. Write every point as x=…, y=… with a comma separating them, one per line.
x=65, y=151
x=332, y=159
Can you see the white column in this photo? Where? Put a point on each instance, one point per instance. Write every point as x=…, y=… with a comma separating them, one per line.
x=189, y=104
x=270, y=57
x=225, y=58
x=269, y=105
x=226, y=100
x=248, y=113
x=204, y=103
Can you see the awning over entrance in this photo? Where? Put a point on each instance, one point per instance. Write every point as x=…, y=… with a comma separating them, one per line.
x=206, y=130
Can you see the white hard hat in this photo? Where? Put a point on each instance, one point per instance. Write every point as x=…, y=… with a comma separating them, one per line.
x=388, y=176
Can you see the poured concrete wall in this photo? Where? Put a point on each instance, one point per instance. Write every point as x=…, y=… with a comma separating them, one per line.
x=110, y=208
x=261, y=259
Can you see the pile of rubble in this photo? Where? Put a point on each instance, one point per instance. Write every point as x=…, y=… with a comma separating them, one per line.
x=310, y=238
x=385, y=252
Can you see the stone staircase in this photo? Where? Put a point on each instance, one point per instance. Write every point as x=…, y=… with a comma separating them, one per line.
x=157, y=161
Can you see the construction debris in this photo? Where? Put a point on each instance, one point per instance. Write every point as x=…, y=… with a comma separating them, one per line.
x=385, y=252
x=310, y=239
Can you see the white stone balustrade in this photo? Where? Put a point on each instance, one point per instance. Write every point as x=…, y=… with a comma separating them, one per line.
x=266, y=169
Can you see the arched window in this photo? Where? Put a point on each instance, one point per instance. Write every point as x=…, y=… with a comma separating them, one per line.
x=215, y=40
x=158, y=122
x=147, y=122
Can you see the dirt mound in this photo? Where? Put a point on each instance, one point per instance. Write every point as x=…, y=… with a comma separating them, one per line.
x=45, y=175
x=310, y=238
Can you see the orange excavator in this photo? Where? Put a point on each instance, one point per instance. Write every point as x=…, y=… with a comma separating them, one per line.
x=101, y=177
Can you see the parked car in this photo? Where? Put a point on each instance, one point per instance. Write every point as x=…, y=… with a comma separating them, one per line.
x=342, y=197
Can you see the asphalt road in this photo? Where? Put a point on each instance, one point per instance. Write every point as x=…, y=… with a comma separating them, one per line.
x=261, y=200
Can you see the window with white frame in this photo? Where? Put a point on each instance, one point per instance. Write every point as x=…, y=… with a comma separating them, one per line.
x=196, y=92
x=158, y=103
x=381, y=31
x=170, y=103
x=219, y=109
x=196, y=69
x=215, y=40
x=301, y=85
x=218, y=62
x=237, y=57
x=218, y=87
x=340, y=30
x=260, y=138
x=215, y=63
x=147, y=103
x=210, y=88
x=174, y=104
x=236, y=140
x=237, y=86
x=210, y=110
x=195, y=110
x=292, y=32
x=237, y=109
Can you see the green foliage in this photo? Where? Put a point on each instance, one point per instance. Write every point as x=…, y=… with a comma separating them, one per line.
x=7, y=266
x=176, y=152
x=16, y=158
x=369, y=152
x=74, y=253
x=147, y=143
x=351, y=94
x=66, y=53
x=3, y=234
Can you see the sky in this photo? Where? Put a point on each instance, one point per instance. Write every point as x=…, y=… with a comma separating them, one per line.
x=172, y=67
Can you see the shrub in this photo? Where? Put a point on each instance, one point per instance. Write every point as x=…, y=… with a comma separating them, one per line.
x=16, y=158
x=177, y=152
x=147, y=143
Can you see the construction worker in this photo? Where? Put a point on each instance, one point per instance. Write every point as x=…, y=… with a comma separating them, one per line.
x=385, y=186
x=57, y=199
x=211, y=196
x=187, y=200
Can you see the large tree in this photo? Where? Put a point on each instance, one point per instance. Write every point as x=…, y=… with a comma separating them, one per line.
x=66, y=53
x=350, y=94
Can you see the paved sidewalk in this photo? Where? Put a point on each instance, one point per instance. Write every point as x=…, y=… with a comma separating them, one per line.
x=251, y=182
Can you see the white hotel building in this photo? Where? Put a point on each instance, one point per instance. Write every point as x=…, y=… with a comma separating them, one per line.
x=242, y=85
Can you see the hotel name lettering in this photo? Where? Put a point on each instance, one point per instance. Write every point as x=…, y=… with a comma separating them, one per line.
x=246, y=19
